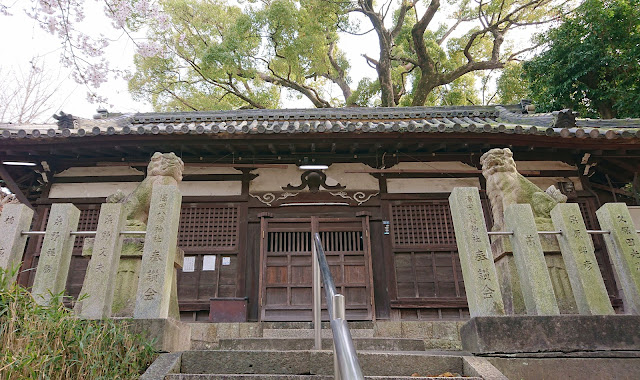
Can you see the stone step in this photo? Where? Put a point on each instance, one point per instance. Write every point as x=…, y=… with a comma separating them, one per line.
x=309, y=325
x=305, y=377
x=287, y=344
x=222, y=362
x=309, y=333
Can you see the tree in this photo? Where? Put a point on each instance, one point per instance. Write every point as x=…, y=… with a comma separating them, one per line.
x=432, y=58
x=203, y=54
x=27, y=97
x=214, y=55
x=512, y=86
x=591, y=62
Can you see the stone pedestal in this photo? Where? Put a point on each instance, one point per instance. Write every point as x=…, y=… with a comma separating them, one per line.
x=15, y=219
x=579, y=258
x=559, y=333
x=510, y=283
x=55, y=255
x=157, y=282
x=536, y=286
x=96, y=297
x=126, y=286
x=478, y=270
x=623, y=245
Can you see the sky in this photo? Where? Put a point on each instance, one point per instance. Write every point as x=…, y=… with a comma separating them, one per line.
x=28, y=40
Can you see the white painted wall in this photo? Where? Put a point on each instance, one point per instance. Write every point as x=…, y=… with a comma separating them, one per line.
x=353, y=181
x=436, y=165
x=209, y=170
x=428, y=185
x=89, y=190
x=98, y=190
x=101, y=171
x=272, y=180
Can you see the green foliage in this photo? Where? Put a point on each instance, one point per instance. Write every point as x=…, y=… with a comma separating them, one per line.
x=591, y=61
x=512, y=85
x=214, y=54
x=51, y=343
x=220, y=56
x=366, y=94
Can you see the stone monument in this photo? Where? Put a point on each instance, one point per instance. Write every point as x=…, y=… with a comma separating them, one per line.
x=505, y=186
x=14, y=219
x=55, y=255
x=478, y=270
x=163, y=169
x=96, y=297
x=157, y=280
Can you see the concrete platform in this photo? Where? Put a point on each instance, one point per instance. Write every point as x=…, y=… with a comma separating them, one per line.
x=562, y=333
x=361, y=344
x=568, y=368
x=305, y=377
x=308, y=365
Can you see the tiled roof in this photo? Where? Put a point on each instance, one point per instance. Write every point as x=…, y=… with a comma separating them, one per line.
x=355, y=120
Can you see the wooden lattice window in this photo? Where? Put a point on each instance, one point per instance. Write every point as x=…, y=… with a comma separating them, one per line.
x=88, y=222
x=209, y=235
x=420, y=224
x=212, y=228
x=428, y=274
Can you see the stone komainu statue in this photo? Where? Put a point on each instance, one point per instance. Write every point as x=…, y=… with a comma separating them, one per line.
x=164, y=169
x=505, y=186
x=6, y=199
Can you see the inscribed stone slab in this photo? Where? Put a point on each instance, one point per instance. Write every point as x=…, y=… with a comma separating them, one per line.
x=535, y=282
x=156, y=270
x=96, y=297
x=15, y=218
x=55, y=255
x=623, y=245
x=580, y=260
x=476, y=260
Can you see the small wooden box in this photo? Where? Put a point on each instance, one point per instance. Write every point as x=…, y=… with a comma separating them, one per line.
x=228, y=310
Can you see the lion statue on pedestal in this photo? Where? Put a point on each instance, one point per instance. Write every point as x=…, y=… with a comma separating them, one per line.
x=505, y=186
x=164, y=169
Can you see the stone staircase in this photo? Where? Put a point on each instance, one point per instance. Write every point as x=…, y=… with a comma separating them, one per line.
x=284, y=351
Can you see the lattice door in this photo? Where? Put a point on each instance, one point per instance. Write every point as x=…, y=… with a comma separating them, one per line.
x=428, y=277
x=210, y=238
x=286, y=277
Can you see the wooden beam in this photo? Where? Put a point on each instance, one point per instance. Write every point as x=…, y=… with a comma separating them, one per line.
x=13, y=186
x=273, y=150
x=427, y=171
x=197, y=165
x=612, y=189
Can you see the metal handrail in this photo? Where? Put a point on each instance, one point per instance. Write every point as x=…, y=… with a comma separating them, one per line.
x=345, y=358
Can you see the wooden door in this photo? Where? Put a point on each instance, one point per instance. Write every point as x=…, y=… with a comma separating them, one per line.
x=286, y=272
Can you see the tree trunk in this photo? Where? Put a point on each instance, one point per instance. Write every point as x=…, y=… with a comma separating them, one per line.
x=606, y=111
x=386, y=84
x=422, y=89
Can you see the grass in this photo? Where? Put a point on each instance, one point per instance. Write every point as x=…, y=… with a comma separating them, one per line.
x=50, y=342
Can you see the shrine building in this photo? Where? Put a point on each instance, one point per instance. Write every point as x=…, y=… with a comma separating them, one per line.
x=374, y=182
